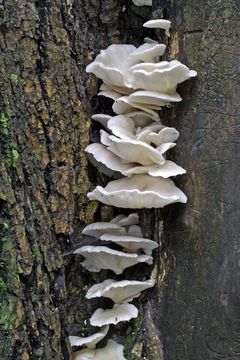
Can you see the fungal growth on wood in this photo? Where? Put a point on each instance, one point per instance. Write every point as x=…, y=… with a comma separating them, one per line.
x=133, y=145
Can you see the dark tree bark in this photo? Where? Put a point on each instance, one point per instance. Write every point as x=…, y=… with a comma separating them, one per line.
x=45, y=103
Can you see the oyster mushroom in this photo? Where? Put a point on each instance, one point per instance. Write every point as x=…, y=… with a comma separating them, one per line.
x=119, y=312
x=119, y=291
x=102, y=257
x=139, y=191
x=159, y=24
x=89, y=341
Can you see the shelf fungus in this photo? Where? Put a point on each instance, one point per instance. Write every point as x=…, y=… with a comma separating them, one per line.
x=119, y=291
x=159, y=24
x=102, y=257
x=119, y=312
x=89, y=341
x=112, y=351
x=142, y=2
x=139, y=191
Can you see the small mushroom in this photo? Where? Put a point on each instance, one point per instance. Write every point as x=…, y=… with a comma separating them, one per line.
x=135, y=151
x=89, y=341
x=139, y=191
x=148, y=52
x=123, y=220
x=107, y=158
x=168, y=169
x=131, y=244
x=162, y=77
x=159, y=24
x=102, y=257
x=112, y=351
x=119, y=291
x=97, y=229
x=119, y=312
x=112, y=64
x=154, y=97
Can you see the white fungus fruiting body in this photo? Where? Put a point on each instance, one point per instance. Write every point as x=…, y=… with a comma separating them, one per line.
x=159, y=24
x=139, y=191
x=119, y=312
x=133, y=143
x=89, y=341
x=142, y=2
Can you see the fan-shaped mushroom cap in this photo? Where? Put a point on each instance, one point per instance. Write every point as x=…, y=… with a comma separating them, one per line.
x=154, y=97
x=122, y=312
x=123, y=220
x=142, y=2
x=112, y=64
x=160, y=77
x=102, y=257
x=122, y=126
x=119, y=291
x=106, y=157
x=168, y=169
x=159, y=24
x=89, y=341
x=148, y=52
x=97, y=229
x=165, y=135
x=117, y=89
x=136, y=151
x=113, y=351
x=131, y=243
x=101, y=118
x=125, y=105
x=139, y=191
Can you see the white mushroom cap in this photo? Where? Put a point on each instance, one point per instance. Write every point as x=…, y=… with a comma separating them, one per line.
x=89, y=341
x=168, y=169
x=97, y=229
x=159, y=24
x=125, y=105
x=135, y=230
x=84, y=354
x=139, y=191
x=122, y=312
x=160, y=77
x=136, y=151
x=122, y=126
x=142, y=2
x=140, y=118
x=102, y=257
x=117, y=89
x=106, y=157
x=154, y=97
x=112, y=64
x=131, y=243
x=101, y=118
x=110, y=94
x=164, y=136
x=148, y=52
x=113, y=351
x=119, y=291
x=123, y=220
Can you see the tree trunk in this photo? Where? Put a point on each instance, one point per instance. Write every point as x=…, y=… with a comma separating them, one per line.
x=46, y=100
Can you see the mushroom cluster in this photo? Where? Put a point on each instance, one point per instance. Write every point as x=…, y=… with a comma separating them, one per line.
x=133, y=145
x=124, y=233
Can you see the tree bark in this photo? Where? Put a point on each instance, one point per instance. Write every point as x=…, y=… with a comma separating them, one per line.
x=45, y=104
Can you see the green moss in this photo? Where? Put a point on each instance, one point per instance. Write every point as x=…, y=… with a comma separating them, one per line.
x=3, y=196
x=4, y=124
x=3, y=286
x=17, y=80
x=7, y=245
x=12, y=156
x=36, y=253
x=7, y=313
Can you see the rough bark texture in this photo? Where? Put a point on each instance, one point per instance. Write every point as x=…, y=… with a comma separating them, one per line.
x=45, y=102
